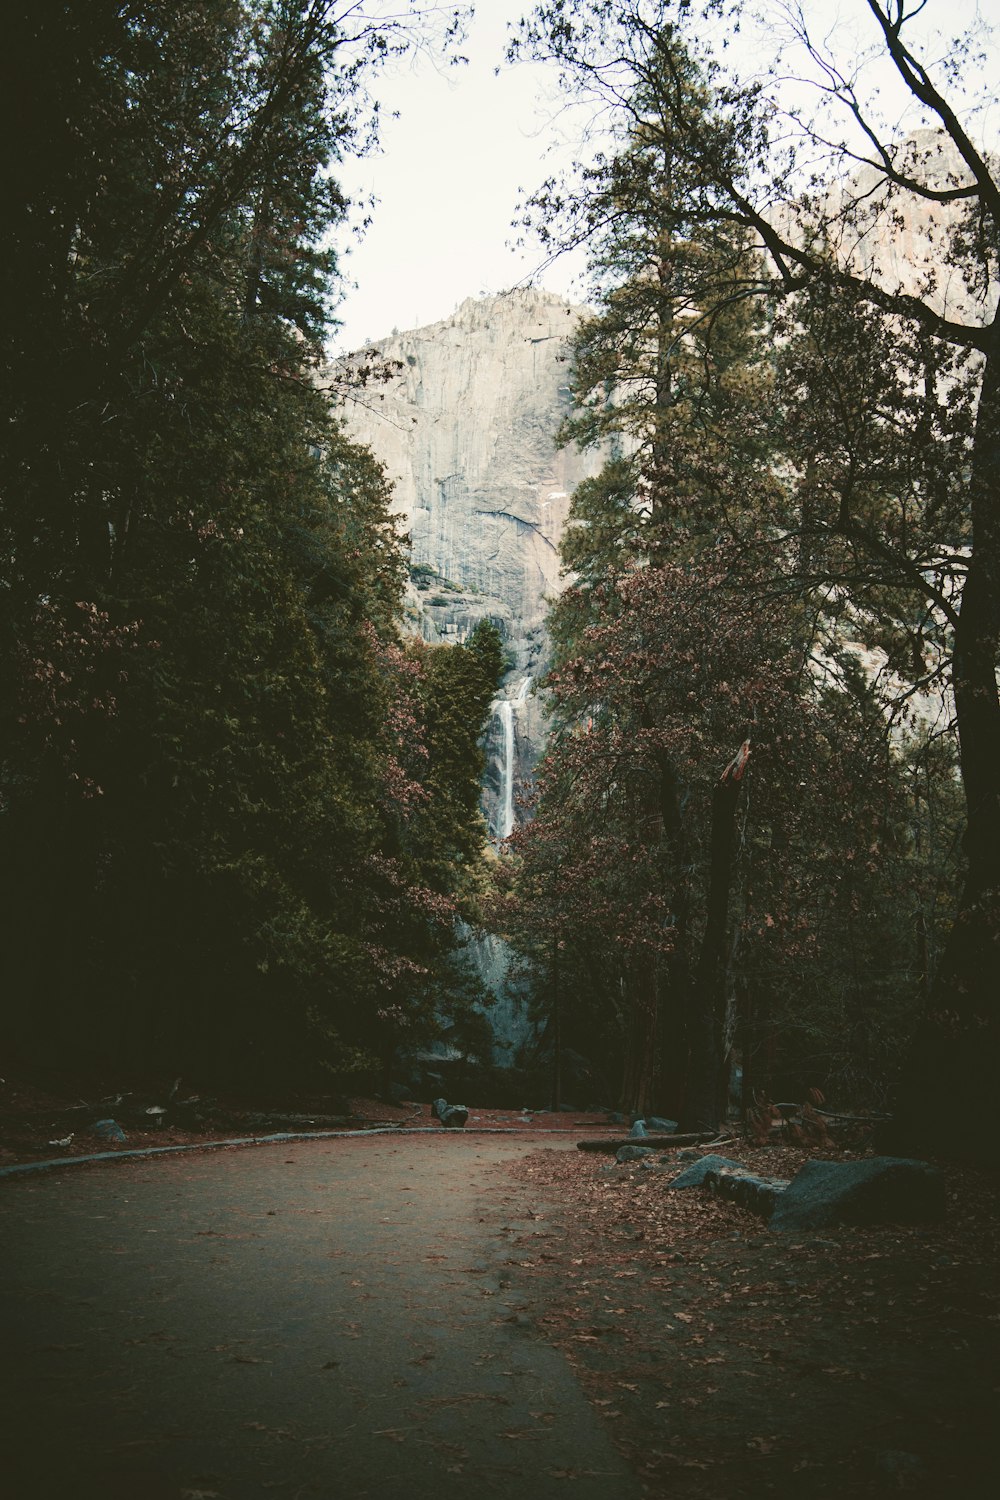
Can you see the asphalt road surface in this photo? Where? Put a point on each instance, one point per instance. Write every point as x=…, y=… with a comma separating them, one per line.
x=322, y=1319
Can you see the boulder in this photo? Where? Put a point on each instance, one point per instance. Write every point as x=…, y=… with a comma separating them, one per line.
x=877, y=1190
x=109, y=1130
x=758, y=1195
x=452, y=1115
x=638, y=1131
x=695, y=1174
x=659, y=1126
x=632, y=1153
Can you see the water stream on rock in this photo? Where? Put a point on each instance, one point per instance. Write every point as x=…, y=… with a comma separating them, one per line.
x=503, y=758
x=505, y=819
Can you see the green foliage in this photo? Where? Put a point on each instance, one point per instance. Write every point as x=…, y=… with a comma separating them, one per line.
x=774, y=490
x=213, y=744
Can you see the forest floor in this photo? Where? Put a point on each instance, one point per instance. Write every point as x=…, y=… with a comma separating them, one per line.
x=722, y=1359
x=733, y=1361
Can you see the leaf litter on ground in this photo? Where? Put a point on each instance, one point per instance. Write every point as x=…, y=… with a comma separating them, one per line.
x=741, y=1358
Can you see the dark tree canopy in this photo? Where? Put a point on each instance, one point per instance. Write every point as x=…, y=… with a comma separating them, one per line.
x=762, y=377
x=229, y=838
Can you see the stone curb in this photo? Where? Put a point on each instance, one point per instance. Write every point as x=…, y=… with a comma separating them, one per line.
x=264, y=1140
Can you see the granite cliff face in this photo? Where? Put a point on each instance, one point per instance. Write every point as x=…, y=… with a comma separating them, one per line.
x=466, y=434
x=466, y=430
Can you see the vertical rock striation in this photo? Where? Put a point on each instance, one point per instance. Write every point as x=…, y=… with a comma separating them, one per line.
x=466, y=432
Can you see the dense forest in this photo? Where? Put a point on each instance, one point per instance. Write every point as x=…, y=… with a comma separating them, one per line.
x=239, y=814
x=767, y=829
x=240, y=810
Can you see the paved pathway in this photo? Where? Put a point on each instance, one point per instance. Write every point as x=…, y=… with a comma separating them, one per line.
x=326, y=1319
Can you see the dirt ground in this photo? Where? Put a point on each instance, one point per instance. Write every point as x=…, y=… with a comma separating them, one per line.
x=721, y=1359
x=732, y=1361
x=317, y=1320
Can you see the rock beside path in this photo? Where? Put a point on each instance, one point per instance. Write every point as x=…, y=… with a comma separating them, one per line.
x=632, y=1153
x=877, y=1190
x=695, y=1174
x=758, y=1195
x=452, y=1115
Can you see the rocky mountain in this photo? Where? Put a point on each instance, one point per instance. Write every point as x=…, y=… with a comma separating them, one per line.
x=466, y=429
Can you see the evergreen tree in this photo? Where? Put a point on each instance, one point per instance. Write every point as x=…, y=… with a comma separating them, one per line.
x=672, y=373
x=201, y=685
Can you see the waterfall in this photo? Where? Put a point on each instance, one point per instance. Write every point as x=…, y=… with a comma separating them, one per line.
x=503, y=745
x=486, y=953
x=505, y=811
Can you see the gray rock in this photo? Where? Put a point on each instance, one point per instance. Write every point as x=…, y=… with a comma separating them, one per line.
x=632, y=1153
x=695, y=1174
x=689, y=1153
x=109, y=1130
x=638, y=1131
x=451, y=1115
x=758, y=1195
x=617, y=1118
x=660, y=1126
x=878, y=1190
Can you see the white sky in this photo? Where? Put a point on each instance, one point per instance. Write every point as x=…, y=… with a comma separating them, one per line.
x=453, y=165
x=448, y=180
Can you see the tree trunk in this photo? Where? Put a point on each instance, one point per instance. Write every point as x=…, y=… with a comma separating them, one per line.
x=675, y=970
x=556, y=1030
x=388, y=1051
x=707, y=1093
x=638, y=1074
x=948, y=1079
